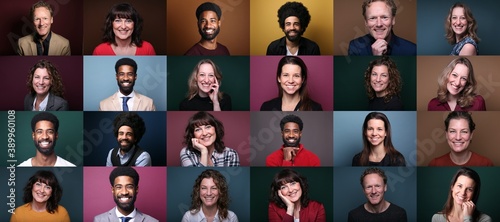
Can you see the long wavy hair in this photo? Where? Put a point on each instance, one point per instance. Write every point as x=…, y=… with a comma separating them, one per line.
x=193, y=82
x=223, y=199
x=395, y=156
x=306, y=102
x=204, y=118
x=394, y=85
x=47, y=177
x=466, y=96
x=471, y=24
x=470, y=173
x=287, y=176
x=125, y=11
x=56, y=87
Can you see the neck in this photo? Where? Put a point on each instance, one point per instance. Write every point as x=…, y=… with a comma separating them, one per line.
x=43, y=37
x=459, y=37
x=125, y=212
x=202, y=94
x=287, y=98
x=41, y=97
x=452, y=98
x=38, y=207
x=209, y=211
x=208, y=44
x=378, y=150
x=44, y=160
x=123, y=43
x=460, y=158
x=292, y=44
x=381, y=94
x=379, y=208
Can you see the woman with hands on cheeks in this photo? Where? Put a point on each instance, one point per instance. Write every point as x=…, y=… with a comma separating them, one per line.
x=203, y=89
x=204, y=146
x=462, y=198
x=290, y=201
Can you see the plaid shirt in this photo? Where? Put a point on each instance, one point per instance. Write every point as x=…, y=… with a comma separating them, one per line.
x=228, y=157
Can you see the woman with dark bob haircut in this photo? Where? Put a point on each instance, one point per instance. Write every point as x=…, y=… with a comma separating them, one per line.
x=122, y=33
x=210, y=199
x=45, y=87
x=291, y=79
x=41, y=196
x=462, y=199
x=377, y=144
x=383, y=85
x=204, y=145
x=290, y=201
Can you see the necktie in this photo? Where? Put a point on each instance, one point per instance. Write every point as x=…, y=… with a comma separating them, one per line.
x=125, y=219
x=125, y=106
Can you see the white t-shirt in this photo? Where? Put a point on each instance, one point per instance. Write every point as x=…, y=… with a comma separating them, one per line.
x=60, y=162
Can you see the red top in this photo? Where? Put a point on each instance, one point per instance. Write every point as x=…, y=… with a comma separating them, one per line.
x=475, y=160
x=105, y=49
x=477, y=105
x=304, y=157
x=314, y=212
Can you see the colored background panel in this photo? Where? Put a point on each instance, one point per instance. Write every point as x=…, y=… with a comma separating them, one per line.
x=317, y=135
x=100, y=139
x=320, y=180
x=349, y=194
x=69, y=178
x=235, y=78
x=350, y=92
x=236, y=133
x=434, y=185
x=432, y=142
x=99, y=73
x=348, y=138
x=151, y=198
x=183, y=28
x=265, y=27
x=485, y=72
x=180, y=187
x=18, y=68
x=68, y=19
x=431, y=18
x=350, y=23
x=69, y=143
x=153, y=26
x=263, y=80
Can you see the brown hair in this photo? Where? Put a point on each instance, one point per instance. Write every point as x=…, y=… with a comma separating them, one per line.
x=394, y=86
x=471, y=24
x=466, y=96
x=56, y=87
x=220, y=182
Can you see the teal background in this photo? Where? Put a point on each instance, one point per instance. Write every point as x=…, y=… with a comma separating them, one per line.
x=69, y=143
x=320, y=180
x=235, y=79
x=349, y=91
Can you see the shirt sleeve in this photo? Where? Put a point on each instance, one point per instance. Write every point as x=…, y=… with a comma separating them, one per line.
x=189, y=159
x=144, y=159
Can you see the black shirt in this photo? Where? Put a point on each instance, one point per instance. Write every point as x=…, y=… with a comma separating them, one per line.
x=275, y=105
x=198, y=103
x=306, y=47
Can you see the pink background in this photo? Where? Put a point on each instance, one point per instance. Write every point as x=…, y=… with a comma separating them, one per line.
x=263, y=80
x=151, y=198
x=236, y=133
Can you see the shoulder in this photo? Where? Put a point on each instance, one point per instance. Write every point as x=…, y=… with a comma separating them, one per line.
x=366, y=39
x=276, y=42
x=145, y=49
x=358, y=210
x=316, y=106
x=143, y=97
x=484, y=218
x=438, y=217
x=147, y=218
x=26, y=163
x=63, y=163
x=309, y=42
x=61, y=210
x=270, y=105
x=478, y=99
x=435, y=105
x=231, y=215
x=443, y=160
x=315, y=204
x=59, y=38
x=103, y=49
x=230, y=150
x=395, y=207
x=26, y=38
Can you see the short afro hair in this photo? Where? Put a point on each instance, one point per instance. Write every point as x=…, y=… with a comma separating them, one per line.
x=208, y=6
x=291, y=118
x=124, y=171
x=47, y=117
x=294, y=9
x=126, y=61
x=132, y=120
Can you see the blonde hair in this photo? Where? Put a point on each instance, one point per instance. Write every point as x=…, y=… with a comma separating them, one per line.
x=466, y=96
x=193, y=83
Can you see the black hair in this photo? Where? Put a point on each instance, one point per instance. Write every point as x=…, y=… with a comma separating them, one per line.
x=294, y=9
x=124, y=171
x=126, y=61
x=291, y=118
x=44, y=116
x=133, y=120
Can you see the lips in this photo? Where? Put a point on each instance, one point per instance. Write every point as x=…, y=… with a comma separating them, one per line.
x=124, y=199
x=44, y=143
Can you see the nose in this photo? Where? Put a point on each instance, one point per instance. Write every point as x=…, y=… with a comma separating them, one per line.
x=458, y=136
x=379, y=22
x=378, y=78
x=45, y=135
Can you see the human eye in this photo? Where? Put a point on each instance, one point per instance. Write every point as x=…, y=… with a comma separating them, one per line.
x=282, y=187
x=197, y=129
x=129, y=21
x=50, y=131
x=117, y=187
x=130, y=187
x=293, y=183
x=48, y=187
x=374, y=74
x=38, y=184
x=208, y=126
x=385, y=75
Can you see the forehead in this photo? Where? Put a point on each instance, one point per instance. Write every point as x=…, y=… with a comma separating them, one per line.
x=44, y=124
x=292, y=19
x=291, y=68
x=291, y=126
x=376, y=123
x=380, y=69
x=461, y=69
x=41, y=72
x=459, y=123
x=378, y=8
x=208, y=15
x=41, y=11
x=125, y=129
x=373, y=178
x=458, y=11
x=465, y=180
x=206, y=67
x=126, y=68
x=123, y=180
x=207, y=182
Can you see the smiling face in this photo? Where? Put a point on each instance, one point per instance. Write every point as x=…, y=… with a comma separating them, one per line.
x=126, y=138
x=457, y=79
x=379, y=80
x=375, y=132
x=124, y=193
x=42, y=20
x=205, y=78
x=459, y=21
x=125, y=78
x=209, y=192
x=463, y=190
x=41, y=81
x=41, y=192
x=44, y=137
x=290, y=79
x=123, y=28
x=379, y=20
x=291, y=134
x=292, y=28
x=374, y=188
x=205, y=134
x=292, y=191
x=458, y=135
x=208, y=25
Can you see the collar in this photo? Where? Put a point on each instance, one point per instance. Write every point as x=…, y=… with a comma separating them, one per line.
x=131, y=95
x=37, y=37
x=132, y=215
x=126, y=154
x=202, y=217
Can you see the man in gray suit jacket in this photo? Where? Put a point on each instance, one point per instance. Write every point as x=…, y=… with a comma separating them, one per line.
x=43, y=41
x=125, y=187
x=126, y=99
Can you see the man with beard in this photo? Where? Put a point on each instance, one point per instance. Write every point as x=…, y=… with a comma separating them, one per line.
x=380, y=17
x=43, y=41
x=374, y=184
x=126, y=99
x=44, y=128
x=208, y=15
x=293, y=18
x=292, y=152
x=128, y=130
x=125, y=187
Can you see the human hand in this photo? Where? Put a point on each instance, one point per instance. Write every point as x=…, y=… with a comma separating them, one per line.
x=290, y=153
x=468, y=208
x=198, y=146
x=379, y=47
x=214, y=91
x=288, y=203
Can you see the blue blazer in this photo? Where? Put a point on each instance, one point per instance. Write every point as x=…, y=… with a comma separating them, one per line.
x=54, y=103
x=397, y=46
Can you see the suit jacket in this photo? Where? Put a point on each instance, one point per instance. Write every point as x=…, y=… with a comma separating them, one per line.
x=110, y=216
x=141, y=103
x=54, y=103
x=58, y=45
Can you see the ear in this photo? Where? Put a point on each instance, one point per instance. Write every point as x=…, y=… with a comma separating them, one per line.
x=56, y=135
x=394, y=20
x=33, y=135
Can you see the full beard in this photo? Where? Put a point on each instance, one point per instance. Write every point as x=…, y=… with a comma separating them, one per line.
x=288, y=144
x=209, y=36
x=295, y=38
x=45, y=151
x=127, y=207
